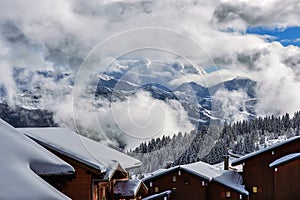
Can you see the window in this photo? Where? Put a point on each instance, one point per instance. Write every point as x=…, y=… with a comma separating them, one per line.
x=254, y=189
x=174, y=189
x=228, y=194
x=174, y=179
x=150, y=184
x=156, y=189
x=179, y=173
x=203, y=183
x=186, y=182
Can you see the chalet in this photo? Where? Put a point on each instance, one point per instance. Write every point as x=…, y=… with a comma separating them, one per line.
x=97, y=167
x=197, y=181
x=23, y=163
x=286, y=177
x=259, y=170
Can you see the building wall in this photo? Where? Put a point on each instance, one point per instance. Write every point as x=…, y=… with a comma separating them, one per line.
x=287, y=179
x=216, y=191
x=186, y=186
x=80, y=188
x=257, y=173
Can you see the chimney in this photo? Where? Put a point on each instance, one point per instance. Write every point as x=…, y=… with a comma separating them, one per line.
x=168, y=164
x=226, y=162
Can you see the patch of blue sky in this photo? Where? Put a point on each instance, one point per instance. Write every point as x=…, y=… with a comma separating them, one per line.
x=212, y=69
x=286, y=36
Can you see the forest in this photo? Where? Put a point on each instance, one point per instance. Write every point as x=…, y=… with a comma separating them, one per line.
x=212, y=142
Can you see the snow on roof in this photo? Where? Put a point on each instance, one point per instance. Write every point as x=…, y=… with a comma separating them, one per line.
x=156, y=196
x=81, y=148
x=202, y=169
x=233, y=180
x=284, y=159
x=128, y=188
x=209, y=173
x=21, y=160
x=251, y=155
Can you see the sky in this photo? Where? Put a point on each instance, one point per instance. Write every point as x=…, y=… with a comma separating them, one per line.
x=286, y=36
x=255, y=39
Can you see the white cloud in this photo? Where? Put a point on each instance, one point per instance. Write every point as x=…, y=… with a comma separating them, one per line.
x=46, y=34
x=233, y=104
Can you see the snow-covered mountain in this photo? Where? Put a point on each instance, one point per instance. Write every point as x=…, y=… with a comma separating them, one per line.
x=124, y=78
x=196, y=99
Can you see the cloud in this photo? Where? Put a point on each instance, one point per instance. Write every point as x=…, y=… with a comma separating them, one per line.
x=59, y=34
x=233, y=104
x=241, y=14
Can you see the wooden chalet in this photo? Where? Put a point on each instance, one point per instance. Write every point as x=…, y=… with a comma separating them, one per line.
x=24, y=163
x=197, y=181
x=263, y=181
x=97, y=167
x=286, y=177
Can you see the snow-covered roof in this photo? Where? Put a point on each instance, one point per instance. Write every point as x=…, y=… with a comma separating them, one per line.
x=128, y=188
x=159, y=195
x=22, y=160
x=82, y=149
x=202, y=169
x=209, y=173
x=285, y=159
x=270, y=148
x=232, y=180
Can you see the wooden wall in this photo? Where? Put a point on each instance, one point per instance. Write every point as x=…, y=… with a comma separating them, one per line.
x=287, y=179
x=257, y=173
x=186, y=186
x=217, y=191
x=79, y=188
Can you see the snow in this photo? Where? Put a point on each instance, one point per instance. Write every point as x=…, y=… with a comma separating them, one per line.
x=82, y=149
x=22, y=160
x=233, y=180
x=284, y=159
x=202, y=169
x=209, y=173
x=156, y=196
x=128, y=188
x=246, y=157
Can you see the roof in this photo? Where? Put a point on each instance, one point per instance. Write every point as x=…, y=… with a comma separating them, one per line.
x=259, y=152
x=208, y=173
x=82, y=149
x=128, y=188
x=285, y=159
x=22, y=160
x=159, y=195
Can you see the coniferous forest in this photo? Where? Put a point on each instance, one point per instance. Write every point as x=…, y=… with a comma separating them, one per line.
x=211, y=143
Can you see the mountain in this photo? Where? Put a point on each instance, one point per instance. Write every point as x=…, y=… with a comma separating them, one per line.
x=196, y=99
x=126, y=78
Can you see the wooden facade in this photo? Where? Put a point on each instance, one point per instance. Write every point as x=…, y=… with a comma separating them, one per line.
x=87, y=183
x=97, y=167
x=258, y=177
x=286, y=179
x=185, y=184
